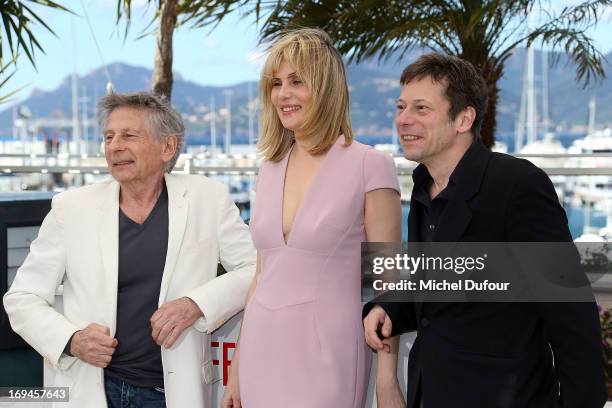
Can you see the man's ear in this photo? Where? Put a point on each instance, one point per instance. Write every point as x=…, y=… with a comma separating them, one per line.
x=170, y=144
x=466, y=119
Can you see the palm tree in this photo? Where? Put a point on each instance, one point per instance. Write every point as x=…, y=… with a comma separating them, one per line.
x=17, y=20
x=167, y=13
x=483, y=32
x=171, y=14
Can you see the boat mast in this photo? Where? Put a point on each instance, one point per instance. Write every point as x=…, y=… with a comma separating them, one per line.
x=250, y=107
x=531, y=97
x=545, y=118
x=592, y=107
x=213, y=126
x=228, y=121
x=76, y=131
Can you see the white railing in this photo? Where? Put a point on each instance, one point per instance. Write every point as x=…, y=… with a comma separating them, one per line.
x=248, y=164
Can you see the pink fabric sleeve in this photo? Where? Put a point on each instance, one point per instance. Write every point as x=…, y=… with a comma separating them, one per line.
x=379, y=171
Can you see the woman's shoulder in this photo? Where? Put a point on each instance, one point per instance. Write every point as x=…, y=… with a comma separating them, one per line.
x=268, y=168
x=369, y=154
x=266, y=164
x=356, y=149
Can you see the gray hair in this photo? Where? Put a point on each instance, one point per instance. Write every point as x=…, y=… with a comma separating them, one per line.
x=162, y=119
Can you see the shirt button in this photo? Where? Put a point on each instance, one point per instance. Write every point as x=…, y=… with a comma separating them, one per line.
x=424, y=322
x=432, y=227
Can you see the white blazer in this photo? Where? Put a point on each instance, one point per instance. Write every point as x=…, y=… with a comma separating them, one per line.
x=77, y=245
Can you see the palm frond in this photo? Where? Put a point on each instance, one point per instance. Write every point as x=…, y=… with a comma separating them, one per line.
x=579, y=46
x=4, y=98
x=567, y=32
x=17, y=22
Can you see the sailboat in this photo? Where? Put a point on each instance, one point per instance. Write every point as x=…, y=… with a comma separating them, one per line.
x=594, y=191
x=534, y=125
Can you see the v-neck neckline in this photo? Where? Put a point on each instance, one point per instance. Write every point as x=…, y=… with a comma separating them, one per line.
x=153, y=211
x=307, y=193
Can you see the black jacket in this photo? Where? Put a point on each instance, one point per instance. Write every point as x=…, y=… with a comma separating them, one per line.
x=499, y=355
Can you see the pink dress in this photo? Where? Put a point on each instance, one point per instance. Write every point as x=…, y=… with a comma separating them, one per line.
x=302, y=342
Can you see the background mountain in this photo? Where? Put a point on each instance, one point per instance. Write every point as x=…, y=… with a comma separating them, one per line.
x=374, y=87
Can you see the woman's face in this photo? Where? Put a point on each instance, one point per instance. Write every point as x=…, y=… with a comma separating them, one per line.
x=291, y=98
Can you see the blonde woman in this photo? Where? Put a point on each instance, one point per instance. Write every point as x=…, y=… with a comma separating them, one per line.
x=319, y=195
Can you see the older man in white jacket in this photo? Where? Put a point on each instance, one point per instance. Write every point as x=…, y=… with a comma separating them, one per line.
x=137, y=257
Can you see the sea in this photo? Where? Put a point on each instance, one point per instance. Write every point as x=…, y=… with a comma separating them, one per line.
x=576, y=214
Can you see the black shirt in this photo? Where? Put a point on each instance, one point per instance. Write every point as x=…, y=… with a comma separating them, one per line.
x=430, y=210
x=142, y=256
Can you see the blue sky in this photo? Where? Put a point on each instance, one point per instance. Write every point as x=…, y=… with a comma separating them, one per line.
x=225, y=56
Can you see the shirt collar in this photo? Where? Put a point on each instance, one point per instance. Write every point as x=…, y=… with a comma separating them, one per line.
x=422, y=179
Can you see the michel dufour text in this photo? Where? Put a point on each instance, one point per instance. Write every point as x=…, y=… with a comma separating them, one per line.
x=404, y=263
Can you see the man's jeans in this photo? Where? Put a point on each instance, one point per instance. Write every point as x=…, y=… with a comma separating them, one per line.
x=120, y=394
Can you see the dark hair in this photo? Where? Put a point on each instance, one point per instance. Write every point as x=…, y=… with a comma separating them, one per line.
x=465, y=86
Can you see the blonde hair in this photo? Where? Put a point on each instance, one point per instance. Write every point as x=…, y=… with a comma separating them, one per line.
x=319, y=65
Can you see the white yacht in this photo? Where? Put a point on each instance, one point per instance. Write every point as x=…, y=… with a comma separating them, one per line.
x=595, y=190
x=536, y=152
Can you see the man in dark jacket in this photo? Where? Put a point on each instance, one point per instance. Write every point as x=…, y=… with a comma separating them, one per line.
x=490, y=355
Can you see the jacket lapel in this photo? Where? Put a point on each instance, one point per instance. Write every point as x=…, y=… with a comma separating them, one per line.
x=108, y=239
x=177, y=220
x=458, y=214
x=419, y=177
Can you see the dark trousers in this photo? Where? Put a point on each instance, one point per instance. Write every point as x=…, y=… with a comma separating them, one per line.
x=120, y=394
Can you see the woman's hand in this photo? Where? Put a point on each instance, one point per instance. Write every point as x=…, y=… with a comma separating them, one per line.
x=389, y=395
x=231, y=396
x=388, y=391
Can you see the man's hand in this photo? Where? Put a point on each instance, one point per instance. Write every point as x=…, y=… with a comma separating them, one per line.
x=172, y=318
x=375, y=319
x=93, y=345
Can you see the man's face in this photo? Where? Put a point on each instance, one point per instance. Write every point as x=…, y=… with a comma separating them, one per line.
x=422, y=121
x=133, y=155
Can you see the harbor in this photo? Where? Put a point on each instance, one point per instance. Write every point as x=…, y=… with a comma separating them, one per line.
x=156, y=270
x=582, y=175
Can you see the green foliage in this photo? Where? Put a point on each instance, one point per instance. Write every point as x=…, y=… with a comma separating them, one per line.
x=480, y=31
x=195, y=13
x=3, y=81
x=605, y=318
x=18, y=18
x=172, y=14
x=484, y=32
